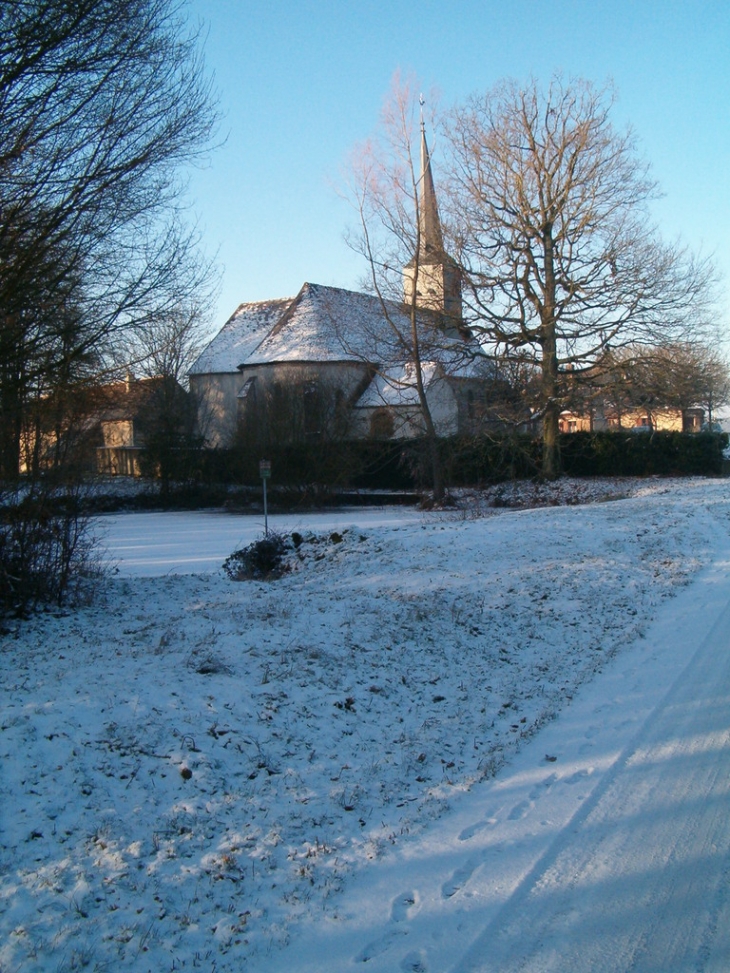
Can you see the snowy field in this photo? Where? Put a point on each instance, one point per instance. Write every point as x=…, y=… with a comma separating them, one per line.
x=480, y=740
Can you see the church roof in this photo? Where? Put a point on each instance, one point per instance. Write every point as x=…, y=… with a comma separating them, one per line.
x=328, y=324
x=320, y=324
x=240, y=335
x=430, y=235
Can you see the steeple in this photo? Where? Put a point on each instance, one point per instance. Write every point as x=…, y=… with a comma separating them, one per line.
x=431, y=272
x=431, y=239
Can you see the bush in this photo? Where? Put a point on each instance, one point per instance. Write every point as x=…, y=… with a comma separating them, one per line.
x=262, y=560
x=48, y=555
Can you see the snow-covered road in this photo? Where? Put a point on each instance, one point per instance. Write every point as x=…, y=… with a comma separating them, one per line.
x=639, y=879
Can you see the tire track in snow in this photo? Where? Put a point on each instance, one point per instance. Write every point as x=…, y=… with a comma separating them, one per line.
x=639, y=880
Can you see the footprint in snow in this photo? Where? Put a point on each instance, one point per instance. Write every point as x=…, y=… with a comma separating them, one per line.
x=459, y=879
x=578, y=776
x=472, y=829
x=379, y=946
x=403, y=906
x=519, y=811
x=539, y=789
x=414, y=962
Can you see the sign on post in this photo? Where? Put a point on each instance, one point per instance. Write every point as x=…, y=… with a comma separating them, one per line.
x=265, y=474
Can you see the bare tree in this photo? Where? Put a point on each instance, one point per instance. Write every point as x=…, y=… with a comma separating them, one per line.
x=549, y=204
x=417, y=283
x=101, y=103
x=169, y=343
x=713, y=383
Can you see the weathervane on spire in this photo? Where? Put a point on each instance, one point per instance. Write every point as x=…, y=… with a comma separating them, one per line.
x=421, y=102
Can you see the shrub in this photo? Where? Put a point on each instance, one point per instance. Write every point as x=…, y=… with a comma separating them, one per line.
x=643, y=454
x=48, y=555
x=262, y=560
x=314, y=475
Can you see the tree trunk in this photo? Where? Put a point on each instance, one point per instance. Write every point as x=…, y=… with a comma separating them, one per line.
x=438, y=484
x=437, y=471
x=10, y=433
x=550, y=385
x=551, y=467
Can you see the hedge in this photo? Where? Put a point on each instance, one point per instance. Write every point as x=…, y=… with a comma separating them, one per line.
x=476, y=461
x=643, y=454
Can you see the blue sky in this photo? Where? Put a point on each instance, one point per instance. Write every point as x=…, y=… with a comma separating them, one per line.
x=302, y=81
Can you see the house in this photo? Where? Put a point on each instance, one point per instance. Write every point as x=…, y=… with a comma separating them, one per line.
x=334, y=363
x=107, y=428
x=128, y=415
x=639, y=389
x=654, y=419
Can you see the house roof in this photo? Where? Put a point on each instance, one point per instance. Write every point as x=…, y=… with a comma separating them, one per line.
x=323, y=324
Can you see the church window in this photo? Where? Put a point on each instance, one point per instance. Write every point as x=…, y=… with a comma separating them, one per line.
x=248, y=390
x=382, y=425
x=312, y=409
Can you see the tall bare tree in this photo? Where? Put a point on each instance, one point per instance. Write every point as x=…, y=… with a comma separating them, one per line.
x=399, y=234
x=101, y=104
x=550, y=206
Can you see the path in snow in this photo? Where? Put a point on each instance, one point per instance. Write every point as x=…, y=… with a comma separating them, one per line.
x=639, y=880
x=604, y=846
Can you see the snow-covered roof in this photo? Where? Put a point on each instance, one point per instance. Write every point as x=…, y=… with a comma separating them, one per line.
x=396, y=387
x=331, y=324
x=324, y=324
x=240, y=335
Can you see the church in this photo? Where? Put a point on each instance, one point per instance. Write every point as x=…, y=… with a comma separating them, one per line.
x=331, y=363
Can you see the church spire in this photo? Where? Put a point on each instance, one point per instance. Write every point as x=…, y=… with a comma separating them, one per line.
x=429, y=225
x=431, y=278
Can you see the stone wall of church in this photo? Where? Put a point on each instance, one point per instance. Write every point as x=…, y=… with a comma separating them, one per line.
x=404, y=420
x=299, y=402
x=216, y=400
x=438, y=287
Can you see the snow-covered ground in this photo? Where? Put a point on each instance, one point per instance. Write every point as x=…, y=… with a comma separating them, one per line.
x=475, y=740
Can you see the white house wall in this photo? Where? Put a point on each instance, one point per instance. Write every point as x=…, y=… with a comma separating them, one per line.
x=337, y=384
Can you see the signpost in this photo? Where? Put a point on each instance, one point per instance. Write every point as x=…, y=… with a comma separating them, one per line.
x=265, y=474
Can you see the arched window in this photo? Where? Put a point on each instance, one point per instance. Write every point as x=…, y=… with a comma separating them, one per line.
x=312, y=398
x=382, y=425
